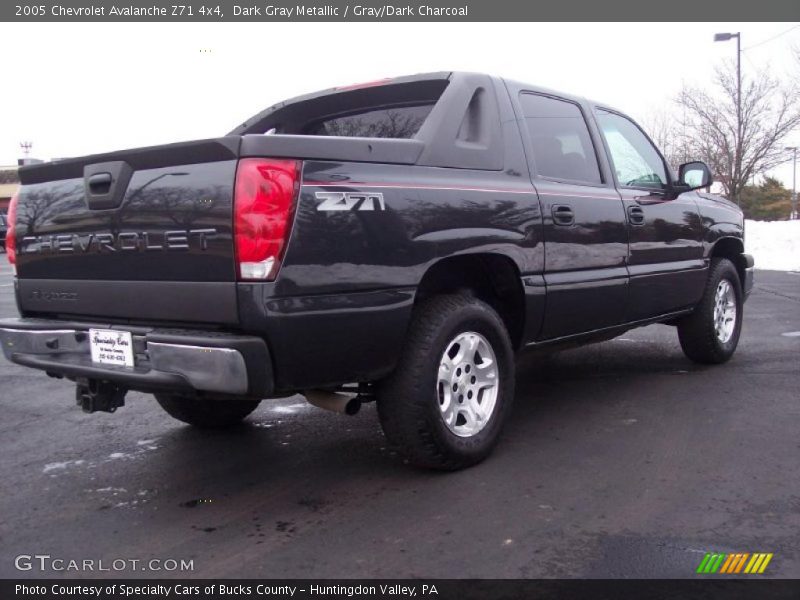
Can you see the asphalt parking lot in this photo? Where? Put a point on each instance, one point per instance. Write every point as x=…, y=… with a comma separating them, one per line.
x=621, y=459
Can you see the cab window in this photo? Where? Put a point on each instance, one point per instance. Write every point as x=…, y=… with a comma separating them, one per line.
x=635, y=160
x=560, y=141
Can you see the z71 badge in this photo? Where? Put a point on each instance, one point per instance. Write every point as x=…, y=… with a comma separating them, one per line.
x=350, y=201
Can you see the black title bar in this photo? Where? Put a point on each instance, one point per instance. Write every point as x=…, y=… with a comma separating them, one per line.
x=376, y=11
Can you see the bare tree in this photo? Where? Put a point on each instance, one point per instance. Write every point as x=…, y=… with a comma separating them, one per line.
x=668, y=129
x=770, y=111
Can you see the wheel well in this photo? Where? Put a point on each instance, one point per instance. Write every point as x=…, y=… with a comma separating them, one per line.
x=493, y=278
x=732, y=249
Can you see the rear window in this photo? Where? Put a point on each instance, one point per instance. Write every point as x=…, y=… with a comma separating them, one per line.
x=396, y=109
x=393, y=122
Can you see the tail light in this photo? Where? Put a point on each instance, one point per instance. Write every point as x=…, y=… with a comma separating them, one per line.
x=11, y=235
x=263, y=209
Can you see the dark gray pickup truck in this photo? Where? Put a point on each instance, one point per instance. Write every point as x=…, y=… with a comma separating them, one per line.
x=397, y=241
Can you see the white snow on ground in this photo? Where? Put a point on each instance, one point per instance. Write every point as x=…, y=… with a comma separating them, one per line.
x=60, y=466
x=775, y=245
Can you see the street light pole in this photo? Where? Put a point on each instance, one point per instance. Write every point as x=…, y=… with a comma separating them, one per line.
x=739, y=144
x=737, y=159
x=793, y=214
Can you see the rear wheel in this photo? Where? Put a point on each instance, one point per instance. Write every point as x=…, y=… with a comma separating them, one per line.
x=711, y=333
x=451, y=392
x=206, y=413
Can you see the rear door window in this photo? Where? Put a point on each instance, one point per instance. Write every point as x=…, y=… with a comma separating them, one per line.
x=560, y=141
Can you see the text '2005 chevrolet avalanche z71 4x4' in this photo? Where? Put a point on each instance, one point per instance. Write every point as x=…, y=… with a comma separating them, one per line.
x=398, y=241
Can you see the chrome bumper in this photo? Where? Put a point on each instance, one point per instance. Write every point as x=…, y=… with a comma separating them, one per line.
x=163, y=359
x=210, y=369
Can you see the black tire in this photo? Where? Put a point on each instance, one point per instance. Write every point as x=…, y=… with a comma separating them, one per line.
x=206, y=413
x=697, y=332
x=409, y=402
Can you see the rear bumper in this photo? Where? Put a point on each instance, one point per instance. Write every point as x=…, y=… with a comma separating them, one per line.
x=747, y=284
x=165, y=359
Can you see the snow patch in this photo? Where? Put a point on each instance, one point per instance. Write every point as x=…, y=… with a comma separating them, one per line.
x=775, y=245
x=60, y=466
x=56, y=466
x=143, y=447
x=290, y=409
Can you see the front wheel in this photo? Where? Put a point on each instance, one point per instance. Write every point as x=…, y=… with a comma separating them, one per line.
x=206, y=413
x=711, y=333
x=447, y=400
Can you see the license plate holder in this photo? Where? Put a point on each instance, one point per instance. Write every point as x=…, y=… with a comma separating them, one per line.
x=111, y=347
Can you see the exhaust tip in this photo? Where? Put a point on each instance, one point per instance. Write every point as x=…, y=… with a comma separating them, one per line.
x=333, y=401
x=353, y=406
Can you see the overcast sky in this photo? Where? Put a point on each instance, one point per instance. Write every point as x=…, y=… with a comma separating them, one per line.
x=76, y=89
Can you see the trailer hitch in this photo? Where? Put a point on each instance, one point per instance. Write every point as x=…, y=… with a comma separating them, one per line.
x=93, y=395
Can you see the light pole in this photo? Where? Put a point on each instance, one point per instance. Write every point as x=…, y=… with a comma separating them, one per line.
x=737, y=159
x=793, y=214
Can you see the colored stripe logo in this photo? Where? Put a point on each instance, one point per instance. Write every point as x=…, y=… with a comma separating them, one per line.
x=737, y=563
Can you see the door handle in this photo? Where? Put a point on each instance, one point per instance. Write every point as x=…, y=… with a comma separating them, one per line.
x=563, y=215
x=100, y=183
x=636, y=215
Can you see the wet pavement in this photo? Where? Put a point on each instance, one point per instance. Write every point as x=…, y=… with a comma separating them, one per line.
x=621, y=459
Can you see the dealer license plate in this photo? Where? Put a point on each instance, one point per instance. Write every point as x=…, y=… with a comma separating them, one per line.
x=111, y=347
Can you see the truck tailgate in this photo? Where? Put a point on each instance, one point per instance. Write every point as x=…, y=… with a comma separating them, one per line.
x=143, y=234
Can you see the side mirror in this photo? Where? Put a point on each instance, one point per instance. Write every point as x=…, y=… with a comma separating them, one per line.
x=694, y=175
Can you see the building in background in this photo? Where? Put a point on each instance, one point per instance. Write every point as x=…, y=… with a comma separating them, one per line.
x=9, y=182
